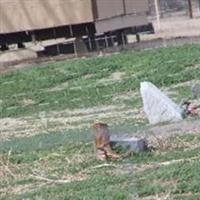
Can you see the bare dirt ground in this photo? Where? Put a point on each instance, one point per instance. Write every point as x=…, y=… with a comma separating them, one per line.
x=172, y=27
x=185, y=126
x=60, y=121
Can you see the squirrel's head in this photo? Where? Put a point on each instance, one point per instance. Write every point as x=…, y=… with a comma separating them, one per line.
x=99, y=125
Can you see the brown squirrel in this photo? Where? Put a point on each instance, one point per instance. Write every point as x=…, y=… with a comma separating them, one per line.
x=102, y=143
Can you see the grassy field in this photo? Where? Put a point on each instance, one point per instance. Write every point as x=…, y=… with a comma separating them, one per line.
x=46, y=147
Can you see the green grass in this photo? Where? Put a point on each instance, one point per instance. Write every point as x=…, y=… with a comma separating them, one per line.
x=150, y=179
x=67, y=154
x=164, y=67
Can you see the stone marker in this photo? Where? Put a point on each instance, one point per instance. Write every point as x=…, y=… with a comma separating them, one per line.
x=133, y=143
x=196, y=90
x=157, y=106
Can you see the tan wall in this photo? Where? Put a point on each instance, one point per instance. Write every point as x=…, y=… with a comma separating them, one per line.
x=120, y=22
x=111, y=8
x=136, y=6
x=18, y=15
x=118, y=14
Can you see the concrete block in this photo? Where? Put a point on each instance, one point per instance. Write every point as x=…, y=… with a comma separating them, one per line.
x=134, y=143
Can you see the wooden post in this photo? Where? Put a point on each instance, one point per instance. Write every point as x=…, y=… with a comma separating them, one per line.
x=156, y=2
x=137, y=37
x=190, y=8
x=124, y=7
x=199, y=5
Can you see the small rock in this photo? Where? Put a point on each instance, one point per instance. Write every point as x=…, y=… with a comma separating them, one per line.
x=133, y=143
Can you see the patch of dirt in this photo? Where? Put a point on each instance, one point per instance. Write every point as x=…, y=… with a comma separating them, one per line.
x=175, y=26
x=161, y=196
x=11, y=123
x=60, y=87
x=197, y=66
x=27, y=102
x=84, y=111
x=82, y=118
x=127, y=168
x=88, y=76
x=116, y=76
x=184, y=84
x=19, y=189
x=67, y=119
x=180, y=127
x=41, y=181
x=126, y=96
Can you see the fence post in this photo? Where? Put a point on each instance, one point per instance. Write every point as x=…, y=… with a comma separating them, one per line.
x=156, y=2
x=199, y=4
x=190, y=8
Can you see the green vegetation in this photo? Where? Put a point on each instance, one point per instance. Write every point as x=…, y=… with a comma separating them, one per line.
x=46, y=148
x=89, y=82
x=173, y=171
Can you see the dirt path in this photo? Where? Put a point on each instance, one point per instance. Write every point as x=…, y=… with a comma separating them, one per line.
x=184, y=126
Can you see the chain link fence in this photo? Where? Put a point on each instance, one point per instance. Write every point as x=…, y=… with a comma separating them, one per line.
x=171, y=8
